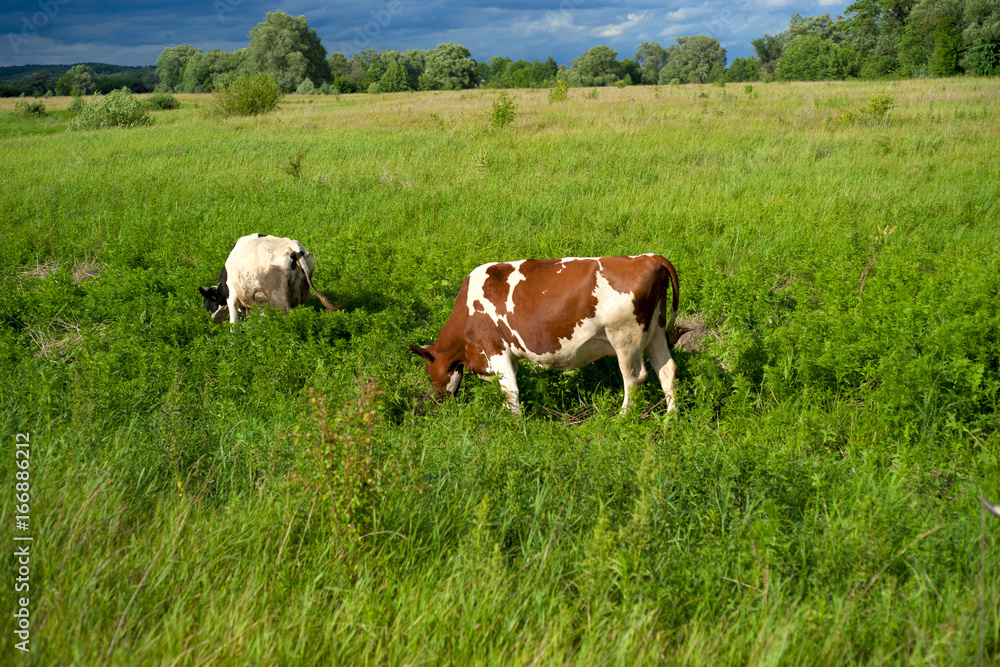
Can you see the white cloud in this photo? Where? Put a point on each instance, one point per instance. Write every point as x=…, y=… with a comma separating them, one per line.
x=616, y=29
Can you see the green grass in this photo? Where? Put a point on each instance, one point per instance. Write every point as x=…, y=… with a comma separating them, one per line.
x=814, y=499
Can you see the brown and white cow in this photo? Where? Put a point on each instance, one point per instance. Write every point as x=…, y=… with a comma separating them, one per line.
x=559, y=313
x=262, y=269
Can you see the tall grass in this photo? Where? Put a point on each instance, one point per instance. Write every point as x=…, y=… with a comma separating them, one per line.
x=814, y=499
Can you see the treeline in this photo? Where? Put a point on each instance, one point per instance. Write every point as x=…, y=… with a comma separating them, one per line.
x=882, y=38
x=875, y=39
x=30, y=80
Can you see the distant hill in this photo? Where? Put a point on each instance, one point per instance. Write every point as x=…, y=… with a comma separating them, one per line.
x=14, y=73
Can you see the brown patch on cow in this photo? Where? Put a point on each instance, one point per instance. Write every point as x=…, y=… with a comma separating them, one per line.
x=646, y=278
x=283, y=288
x=478, y=306
x=569, y=284
x=481, y=342
x=497, y=288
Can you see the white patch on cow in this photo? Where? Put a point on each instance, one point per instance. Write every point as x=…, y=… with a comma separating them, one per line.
x=453, y=381
x=513, y=279
x=477, y=292
x=590, y=340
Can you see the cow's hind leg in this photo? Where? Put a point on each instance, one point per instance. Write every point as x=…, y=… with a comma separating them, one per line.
x=664, y=365
x=629, y=352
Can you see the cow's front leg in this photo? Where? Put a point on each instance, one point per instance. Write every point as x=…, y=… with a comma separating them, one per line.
x=234, y=307
x=505, y=367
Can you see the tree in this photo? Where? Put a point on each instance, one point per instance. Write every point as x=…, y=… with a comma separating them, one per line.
x=448, y=67
x=651, y=58
x=875, y=28
x=366, y=68
x=948, y=49
x=982, y=37
x=819, y=26
x=338, y=65
x=809, y=58
x=692, y=59
x=768, y=49
x=597, y=67
x=37, y=83
x=170, y=64
x=631, y=71
x=394, y=80
x=411, y=64
x=78, y=80
x=288, y=50
x=917, y=41
x=743, y=69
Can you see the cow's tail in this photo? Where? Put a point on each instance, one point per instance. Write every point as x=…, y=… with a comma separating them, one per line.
x=673, y=331
x=296, y=256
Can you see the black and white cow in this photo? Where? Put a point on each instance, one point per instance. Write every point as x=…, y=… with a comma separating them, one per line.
x=262, y=269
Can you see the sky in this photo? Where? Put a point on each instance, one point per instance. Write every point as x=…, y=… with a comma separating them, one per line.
x=135, y=32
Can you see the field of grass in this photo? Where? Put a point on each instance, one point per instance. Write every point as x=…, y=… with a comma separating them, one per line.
x=288, y=492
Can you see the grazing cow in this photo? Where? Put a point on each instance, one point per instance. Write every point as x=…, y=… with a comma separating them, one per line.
x=559, y=313
x=262, y=269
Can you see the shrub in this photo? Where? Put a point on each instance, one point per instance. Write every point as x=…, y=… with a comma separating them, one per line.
x=879, y=104
x=248, y=95
x=504, y=110
x=162, y=102
x=119, y=108
x=306, y=87
x=559, y=92
x=30, y=108
x=77, y=104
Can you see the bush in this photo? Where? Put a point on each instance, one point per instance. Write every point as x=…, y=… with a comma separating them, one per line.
x=504, y=110
x=77, y=104
x=248, y=95
x=559, y=93
x=162, y=102
x=306, y=87
x=119, y=108
x=30, y=108
x=880, y=103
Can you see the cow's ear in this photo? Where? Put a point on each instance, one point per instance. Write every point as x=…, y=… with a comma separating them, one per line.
x=422, y=351
x=205, y=291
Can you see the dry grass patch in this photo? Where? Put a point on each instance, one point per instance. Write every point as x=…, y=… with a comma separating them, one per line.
x=81, y=271
x=695, y=332
x=58, y=339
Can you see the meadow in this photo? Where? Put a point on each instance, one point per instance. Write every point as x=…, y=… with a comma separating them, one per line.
x=288, y=492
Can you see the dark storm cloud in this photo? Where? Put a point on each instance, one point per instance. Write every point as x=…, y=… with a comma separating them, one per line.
x=134, y=33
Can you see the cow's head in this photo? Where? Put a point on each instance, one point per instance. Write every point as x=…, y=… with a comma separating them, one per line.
x=215, y=303
x=446, y=374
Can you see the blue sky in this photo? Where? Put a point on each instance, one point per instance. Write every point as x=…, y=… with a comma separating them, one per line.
x=135, y=32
